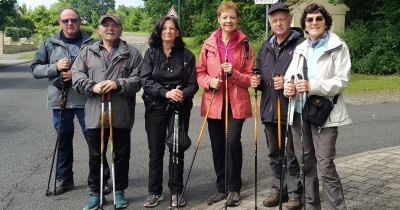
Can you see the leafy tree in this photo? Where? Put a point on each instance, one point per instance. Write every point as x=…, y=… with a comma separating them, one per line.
x=6, y=10
x=373, y=36
x=91, y=10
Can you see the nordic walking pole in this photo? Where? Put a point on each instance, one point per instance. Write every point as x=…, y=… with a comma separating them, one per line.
x=283, y=169
x=302, y=146
x=101, y=150
x=175, y=150
x=255, y=144
x=64, y=93
x=111, y=140
x=226, y=138
x=198, y=143
x=278, y=99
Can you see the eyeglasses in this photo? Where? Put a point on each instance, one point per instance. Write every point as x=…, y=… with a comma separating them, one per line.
x=311, y=19
x=72, y=20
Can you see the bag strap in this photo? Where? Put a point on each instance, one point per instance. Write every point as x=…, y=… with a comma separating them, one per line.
x=305, y=71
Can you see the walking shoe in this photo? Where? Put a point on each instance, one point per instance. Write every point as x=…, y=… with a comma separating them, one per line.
x=153, y=200
x=217, y=197
x=176, y=198
x=106, y=188
x=294, y=204
x=120, y=201
x=64, y=185
x=272, y=200
x=94, y=202
x=233, y=199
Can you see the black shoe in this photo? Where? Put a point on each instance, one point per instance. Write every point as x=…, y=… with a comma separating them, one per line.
x=63, y=186
x=217, y=197
x=233, y=199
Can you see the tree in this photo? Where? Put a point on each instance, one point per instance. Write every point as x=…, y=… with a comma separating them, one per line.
x=373, y=36
x=6, y=10
x=91, y=10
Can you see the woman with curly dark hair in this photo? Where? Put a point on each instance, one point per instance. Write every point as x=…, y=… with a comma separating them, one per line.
x=168, y=77
x=323, y=63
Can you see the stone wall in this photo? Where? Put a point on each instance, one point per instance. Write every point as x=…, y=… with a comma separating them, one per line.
x=1, y=42
x=9, y=48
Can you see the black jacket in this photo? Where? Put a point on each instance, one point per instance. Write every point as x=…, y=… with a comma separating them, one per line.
x=160, y=73
x=269, y=64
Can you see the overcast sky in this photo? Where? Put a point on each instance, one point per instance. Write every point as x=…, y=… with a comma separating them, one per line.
x=47, y=3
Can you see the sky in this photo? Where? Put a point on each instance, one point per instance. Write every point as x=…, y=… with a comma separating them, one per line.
x=47, y=3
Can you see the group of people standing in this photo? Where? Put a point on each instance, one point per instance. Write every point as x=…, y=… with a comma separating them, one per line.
x=85, y=72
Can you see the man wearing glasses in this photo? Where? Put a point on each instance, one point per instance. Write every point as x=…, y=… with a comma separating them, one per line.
x=53, y=60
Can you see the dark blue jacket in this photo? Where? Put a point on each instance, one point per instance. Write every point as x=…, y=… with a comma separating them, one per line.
x=271, y=65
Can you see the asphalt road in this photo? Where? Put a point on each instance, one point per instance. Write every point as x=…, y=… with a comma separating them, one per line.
x=27, y=139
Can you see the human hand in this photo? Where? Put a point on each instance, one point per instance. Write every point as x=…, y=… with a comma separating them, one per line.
x=302, y=85
x=227, y=67
x=104, y=87
x=175, y=95
x=290, y=89
x=255, y=80
x=278, y=82
x=66, y=76
x=63, y=64
x=215, y=83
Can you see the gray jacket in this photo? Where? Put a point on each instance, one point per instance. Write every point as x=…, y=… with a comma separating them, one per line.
x=90, y=68
x=44, y=65
x=333, y=74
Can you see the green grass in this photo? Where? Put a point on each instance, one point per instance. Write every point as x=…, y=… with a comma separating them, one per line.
x=28, y=56
x=360, y=83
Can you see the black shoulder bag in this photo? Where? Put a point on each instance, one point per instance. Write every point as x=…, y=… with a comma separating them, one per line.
x=317, y=109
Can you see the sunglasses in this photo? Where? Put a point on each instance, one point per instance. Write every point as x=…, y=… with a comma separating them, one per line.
x=311, y=19
x=72, y=20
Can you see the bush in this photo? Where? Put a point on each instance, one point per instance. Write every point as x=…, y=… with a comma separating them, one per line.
x=373, y=48
x=88, y=29
x=17, y=32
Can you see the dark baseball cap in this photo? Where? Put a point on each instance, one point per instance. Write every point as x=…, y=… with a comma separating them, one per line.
x=112, y=17
x=278, y=6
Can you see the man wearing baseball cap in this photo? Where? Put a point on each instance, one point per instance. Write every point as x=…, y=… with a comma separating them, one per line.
x=108, y=70
x=273, y=60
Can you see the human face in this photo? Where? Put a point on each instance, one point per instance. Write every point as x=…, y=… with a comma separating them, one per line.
x=228, y=20
x=69, y=23
x=280, y=23
x=169, y=32
x=110, y=31
x=315, y=25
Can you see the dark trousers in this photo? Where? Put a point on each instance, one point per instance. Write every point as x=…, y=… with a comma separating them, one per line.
x=122, y=151
x=291, y=185
x=65, y=145
x=156, y=121
x=216, y=128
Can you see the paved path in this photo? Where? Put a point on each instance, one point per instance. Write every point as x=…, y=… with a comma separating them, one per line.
x=371, y=180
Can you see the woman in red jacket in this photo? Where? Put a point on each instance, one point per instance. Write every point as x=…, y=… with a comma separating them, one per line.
x=226, y=53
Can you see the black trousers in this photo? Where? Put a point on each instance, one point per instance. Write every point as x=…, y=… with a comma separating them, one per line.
x=156, y=121
x=122, y=151
x=216, y=128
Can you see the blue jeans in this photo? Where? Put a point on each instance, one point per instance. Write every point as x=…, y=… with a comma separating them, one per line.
x=65, y=145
